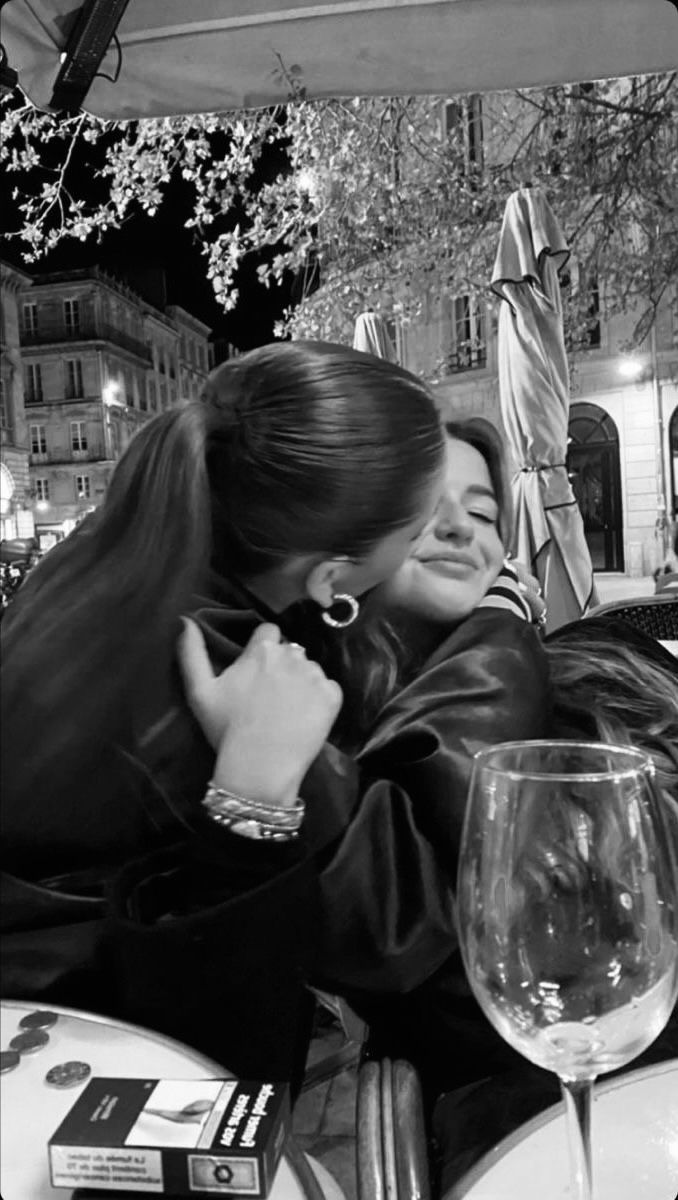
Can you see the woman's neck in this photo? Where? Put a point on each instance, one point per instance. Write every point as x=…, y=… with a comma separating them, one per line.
x=418, y=638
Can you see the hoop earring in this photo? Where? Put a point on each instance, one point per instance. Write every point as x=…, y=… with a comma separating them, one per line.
x=353, y=610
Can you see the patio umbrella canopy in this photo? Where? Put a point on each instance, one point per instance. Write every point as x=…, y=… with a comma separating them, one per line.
x=372, y=337
x=209, y=55
x=534, y=392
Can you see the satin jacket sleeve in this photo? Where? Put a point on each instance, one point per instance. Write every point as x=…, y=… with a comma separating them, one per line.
x=388, y=882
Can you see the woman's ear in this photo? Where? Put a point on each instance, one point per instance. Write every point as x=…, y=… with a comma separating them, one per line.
x=325, y=579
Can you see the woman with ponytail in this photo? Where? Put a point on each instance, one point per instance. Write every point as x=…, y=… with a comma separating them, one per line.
x=158, y=867
x=237, y=855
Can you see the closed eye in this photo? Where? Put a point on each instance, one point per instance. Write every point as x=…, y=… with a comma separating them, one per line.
x=484, y=517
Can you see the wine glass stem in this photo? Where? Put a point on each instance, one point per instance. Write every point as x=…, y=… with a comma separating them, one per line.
x=577, y=1095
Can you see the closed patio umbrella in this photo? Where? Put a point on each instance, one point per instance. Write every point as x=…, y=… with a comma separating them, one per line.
x=534, y=394
x=372, y=337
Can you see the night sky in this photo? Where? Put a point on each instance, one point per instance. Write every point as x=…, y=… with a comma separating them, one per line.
x=146, y=247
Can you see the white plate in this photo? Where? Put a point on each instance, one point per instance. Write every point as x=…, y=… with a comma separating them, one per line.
x=635, y=1147
x=32, y=1110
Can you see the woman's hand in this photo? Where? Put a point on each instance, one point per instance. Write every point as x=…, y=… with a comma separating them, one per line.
x=267, y=716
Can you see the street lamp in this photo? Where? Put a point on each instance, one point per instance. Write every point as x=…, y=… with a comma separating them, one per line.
x=630, y=367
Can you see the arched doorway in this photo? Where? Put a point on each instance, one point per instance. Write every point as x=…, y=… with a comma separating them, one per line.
x=673, y=459
x=594, y=472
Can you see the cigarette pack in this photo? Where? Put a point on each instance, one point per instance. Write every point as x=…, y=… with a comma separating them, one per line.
x=178, y=1137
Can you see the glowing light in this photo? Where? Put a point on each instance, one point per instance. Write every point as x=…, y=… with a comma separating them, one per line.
x=111, y=394
x=630, y=368
x=307, y=181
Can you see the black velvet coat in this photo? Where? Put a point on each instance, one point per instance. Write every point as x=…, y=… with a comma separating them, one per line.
x=212, y=938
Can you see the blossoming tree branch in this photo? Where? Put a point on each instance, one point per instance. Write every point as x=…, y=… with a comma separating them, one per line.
x=384, y=202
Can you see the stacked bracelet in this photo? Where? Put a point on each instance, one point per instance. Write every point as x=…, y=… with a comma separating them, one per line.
x=251, y=819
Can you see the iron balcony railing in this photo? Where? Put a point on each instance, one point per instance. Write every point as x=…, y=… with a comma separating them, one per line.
x=466, y=358
x=50, y=332
x=34, y=399
x=92, y=455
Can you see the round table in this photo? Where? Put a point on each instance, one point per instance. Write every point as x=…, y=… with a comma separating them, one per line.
x=32, y=1110
x=634, y=1136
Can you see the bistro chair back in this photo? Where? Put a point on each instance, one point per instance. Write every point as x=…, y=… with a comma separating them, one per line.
x=656, y=616
x=391, y=1146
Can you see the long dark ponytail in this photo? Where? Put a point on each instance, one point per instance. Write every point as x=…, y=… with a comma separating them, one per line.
x=295, y=448
x=78, y=636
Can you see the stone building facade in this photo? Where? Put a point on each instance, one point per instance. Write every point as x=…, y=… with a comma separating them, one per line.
x=97, y=362
x=623, y=449
x=16, y=513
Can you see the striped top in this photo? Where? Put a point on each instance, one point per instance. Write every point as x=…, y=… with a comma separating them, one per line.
x=506, y=593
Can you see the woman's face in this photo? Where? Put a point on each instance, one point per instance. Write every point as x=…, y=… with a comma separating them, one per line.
x=460, y=552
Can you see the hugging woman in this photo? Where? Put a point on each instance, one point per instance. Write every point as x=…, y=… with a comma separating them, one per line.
x=607, y=682
x=191, y=865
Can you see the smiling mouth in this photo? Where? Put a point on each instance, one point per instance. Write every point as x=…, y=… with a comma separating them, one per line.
x=447, y=561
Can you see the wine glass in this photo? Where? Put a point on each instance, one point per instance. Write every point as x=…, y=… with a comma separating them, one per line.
x=568, y=911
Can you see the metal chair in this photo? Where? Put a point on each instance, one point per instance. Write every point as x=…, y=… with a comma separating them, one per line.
x=656, y=616
x=391, y=1146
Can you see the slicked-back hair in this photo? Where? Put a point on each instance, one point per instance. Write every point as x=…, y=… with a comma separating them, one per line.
x=293, y=448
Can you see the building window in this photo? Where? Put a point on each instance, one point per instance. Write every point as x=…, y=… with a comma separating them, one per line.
x=38, y=438
x=152, y=395
x=30, y=318
x=42, y=489
x=394, y=329
x=467, y=347
x=33, y=383
x=593, y=311
x=463, y=121
x=586, y=333
x=78, y=437
x=74, y=388
x=594, y=471
x=72, y=317
x=82, y=487
x=4, y=414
